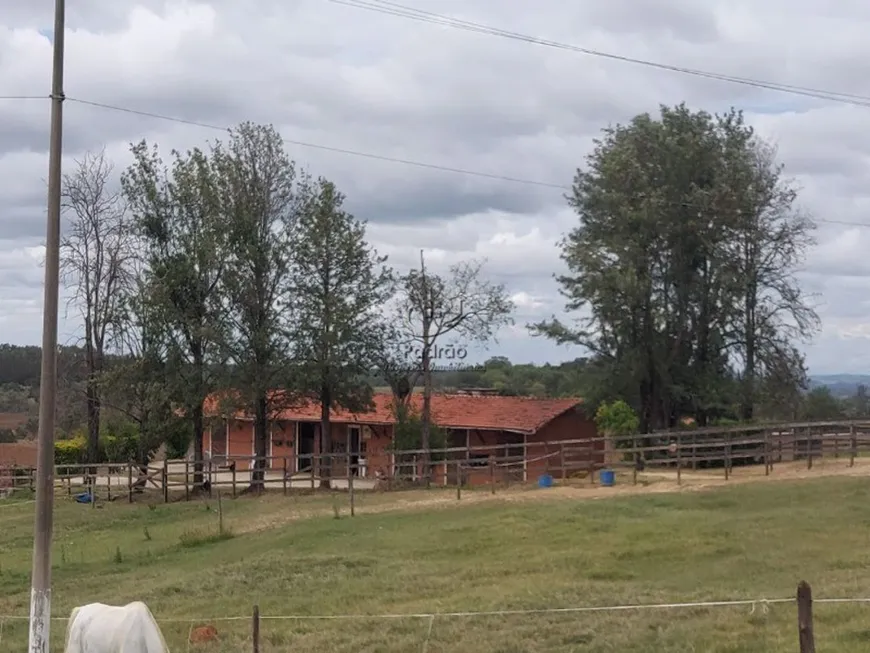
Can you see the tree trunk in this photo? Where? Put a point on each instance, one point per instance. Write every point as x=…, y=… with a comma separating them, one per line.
x=426, y=416
x=261, y=439
x=198, y=429
x=747, y=406
x=325, y=439
x=92, y=400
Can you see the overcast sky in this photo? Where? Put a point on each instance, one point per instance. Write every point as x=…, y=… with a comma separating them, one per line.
x=346, y=78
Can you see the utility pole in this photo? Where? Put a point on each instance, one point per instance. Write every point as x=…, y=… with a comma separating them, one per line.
x=40, y=592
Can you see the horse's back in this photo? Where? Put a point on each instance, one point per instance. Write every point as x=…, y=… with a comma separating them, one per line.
x=101, y=628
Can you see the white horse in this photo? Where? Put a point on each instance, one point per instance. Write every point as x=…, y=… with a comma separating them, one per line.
x=99, y=628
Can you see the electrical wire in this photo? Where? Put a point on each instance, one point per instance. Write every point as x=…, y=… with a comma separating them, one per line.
x=379, y=157
x=329, y=148
x=403, y=11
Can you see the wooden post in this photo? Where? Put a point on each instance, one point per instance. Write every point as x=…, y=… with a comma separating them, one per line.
x=727, y=461
x=679, y=458
x=809, y=447
x=805, y=618
x=108, y=482
x=255, y=629
x=93, y=488
x=562, y=459
x=233, y=470
x=350, y=491
x=130, y=482
x=312, y=471
x=210, y=476
x=766, y=452
x=458, y=480
x=635, y=459
x=220, y=514
x=186, y=480
x=492, y=473
x=165, y=478
x=853, y=443
x=285, y=476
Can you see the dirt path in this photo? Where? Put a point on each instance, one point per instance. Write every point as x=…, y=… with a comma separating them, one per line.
x=651, y=482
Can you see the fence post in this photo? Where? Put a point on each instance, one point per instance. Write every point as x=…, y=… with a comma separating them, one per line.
x=727, y=461
x=233, y=470
x=766, y=452
x=458, y=480
x=130, y=482
x=350, y=488
x=562, y=459
x=853, y=443
x=255, y=629
x=809, y=447
x=805, y=618
x=492, y=473
x=165, y=478
x=679, y=458
x=186, y=480
x=284, y=476
x=108, y=482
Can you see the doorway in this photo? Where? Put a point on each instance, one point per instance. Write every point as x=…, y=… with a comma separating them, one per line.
x=354, y=442
x=304, y=446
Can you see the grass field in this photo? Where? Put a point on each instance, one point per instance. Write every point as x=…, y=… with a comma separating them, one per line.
x=428, y=553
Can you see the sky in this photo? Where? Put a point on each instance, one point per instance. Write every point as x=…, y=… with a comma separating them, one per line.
x=343, y=78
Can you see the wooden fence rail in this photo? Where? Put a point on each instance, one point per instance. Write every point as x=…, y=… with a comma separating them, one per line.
x=492, y=465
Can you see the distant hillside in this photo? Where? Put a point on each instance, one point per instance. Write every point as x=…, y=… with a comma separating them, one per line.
x=841, y=385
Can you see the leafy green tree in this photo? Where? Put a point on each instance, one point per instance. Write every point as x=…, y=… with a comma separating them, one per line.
x=674, y=266
x=820, y=404
x=183, y=228
x=339, y=285
x=256, y=186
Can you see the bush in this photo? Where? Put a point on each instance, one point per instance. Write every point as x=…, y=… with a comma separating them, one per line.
x=617, y=419
x=71, y=451
x=408, y=434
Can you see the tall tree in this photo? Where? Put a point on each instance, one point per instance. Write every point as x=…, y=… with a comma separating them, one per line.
x=772, y=239
x=257, y=188
x=339, y=285
x=96, y=258
x=182, y=225
x=460, y=304
x=674, y=264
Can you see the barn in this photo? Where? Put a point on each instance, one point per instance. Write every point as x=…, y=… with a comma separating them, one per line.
x=524, y=434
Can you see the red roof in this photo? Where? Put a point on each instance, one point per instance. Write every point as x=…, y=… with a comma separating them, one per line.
x=482, y=412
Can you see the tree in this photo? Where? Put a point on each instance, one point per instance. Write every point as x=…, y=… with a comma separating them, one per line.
x=674, y=266
x=135, y=380
x=820, y=404
x=182, y=224
x=256, y=186
x=460, y=304
x=96, y=256
x=339, y=284
x=771, y=242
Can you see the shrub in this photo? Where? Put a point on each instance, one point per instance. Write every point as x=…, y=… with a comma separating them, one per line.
x=71, y=451
x=617, y=419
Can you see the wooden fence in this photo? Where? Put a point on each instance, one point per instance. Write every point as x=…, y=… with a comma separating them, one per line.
x=475, y=466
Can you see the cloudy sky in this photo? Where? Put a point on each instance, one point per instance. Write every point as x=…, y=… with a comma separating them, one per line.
x=342, y=77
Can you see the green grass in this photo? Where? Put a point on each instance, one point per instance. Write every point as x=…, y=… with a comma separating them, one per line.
x=749, y=541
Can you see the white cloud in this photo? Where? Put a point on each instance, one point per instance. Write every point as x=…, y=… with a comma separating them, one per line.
x=346, y=78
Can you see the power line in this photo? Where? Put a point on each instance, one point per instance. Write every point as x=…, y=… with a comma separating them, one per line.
x=403, y=11
x=379, y=157
x=329, y=148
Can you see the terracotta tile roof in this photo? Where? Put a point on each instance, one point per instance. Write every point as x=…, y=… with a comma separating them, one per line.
x=524, y=414
x=18, y=453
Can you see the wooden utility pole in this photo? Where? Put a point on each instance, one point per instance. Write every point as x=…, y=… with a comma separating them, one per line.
x=40, y=592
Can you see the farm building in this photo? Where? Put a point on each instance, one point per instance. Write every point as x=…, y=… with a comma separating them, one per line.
x=523, y=434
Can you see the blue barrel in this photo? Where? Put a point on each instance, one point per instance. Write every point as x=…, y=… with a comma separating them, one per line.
x=607, y=477
x=545, y=480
